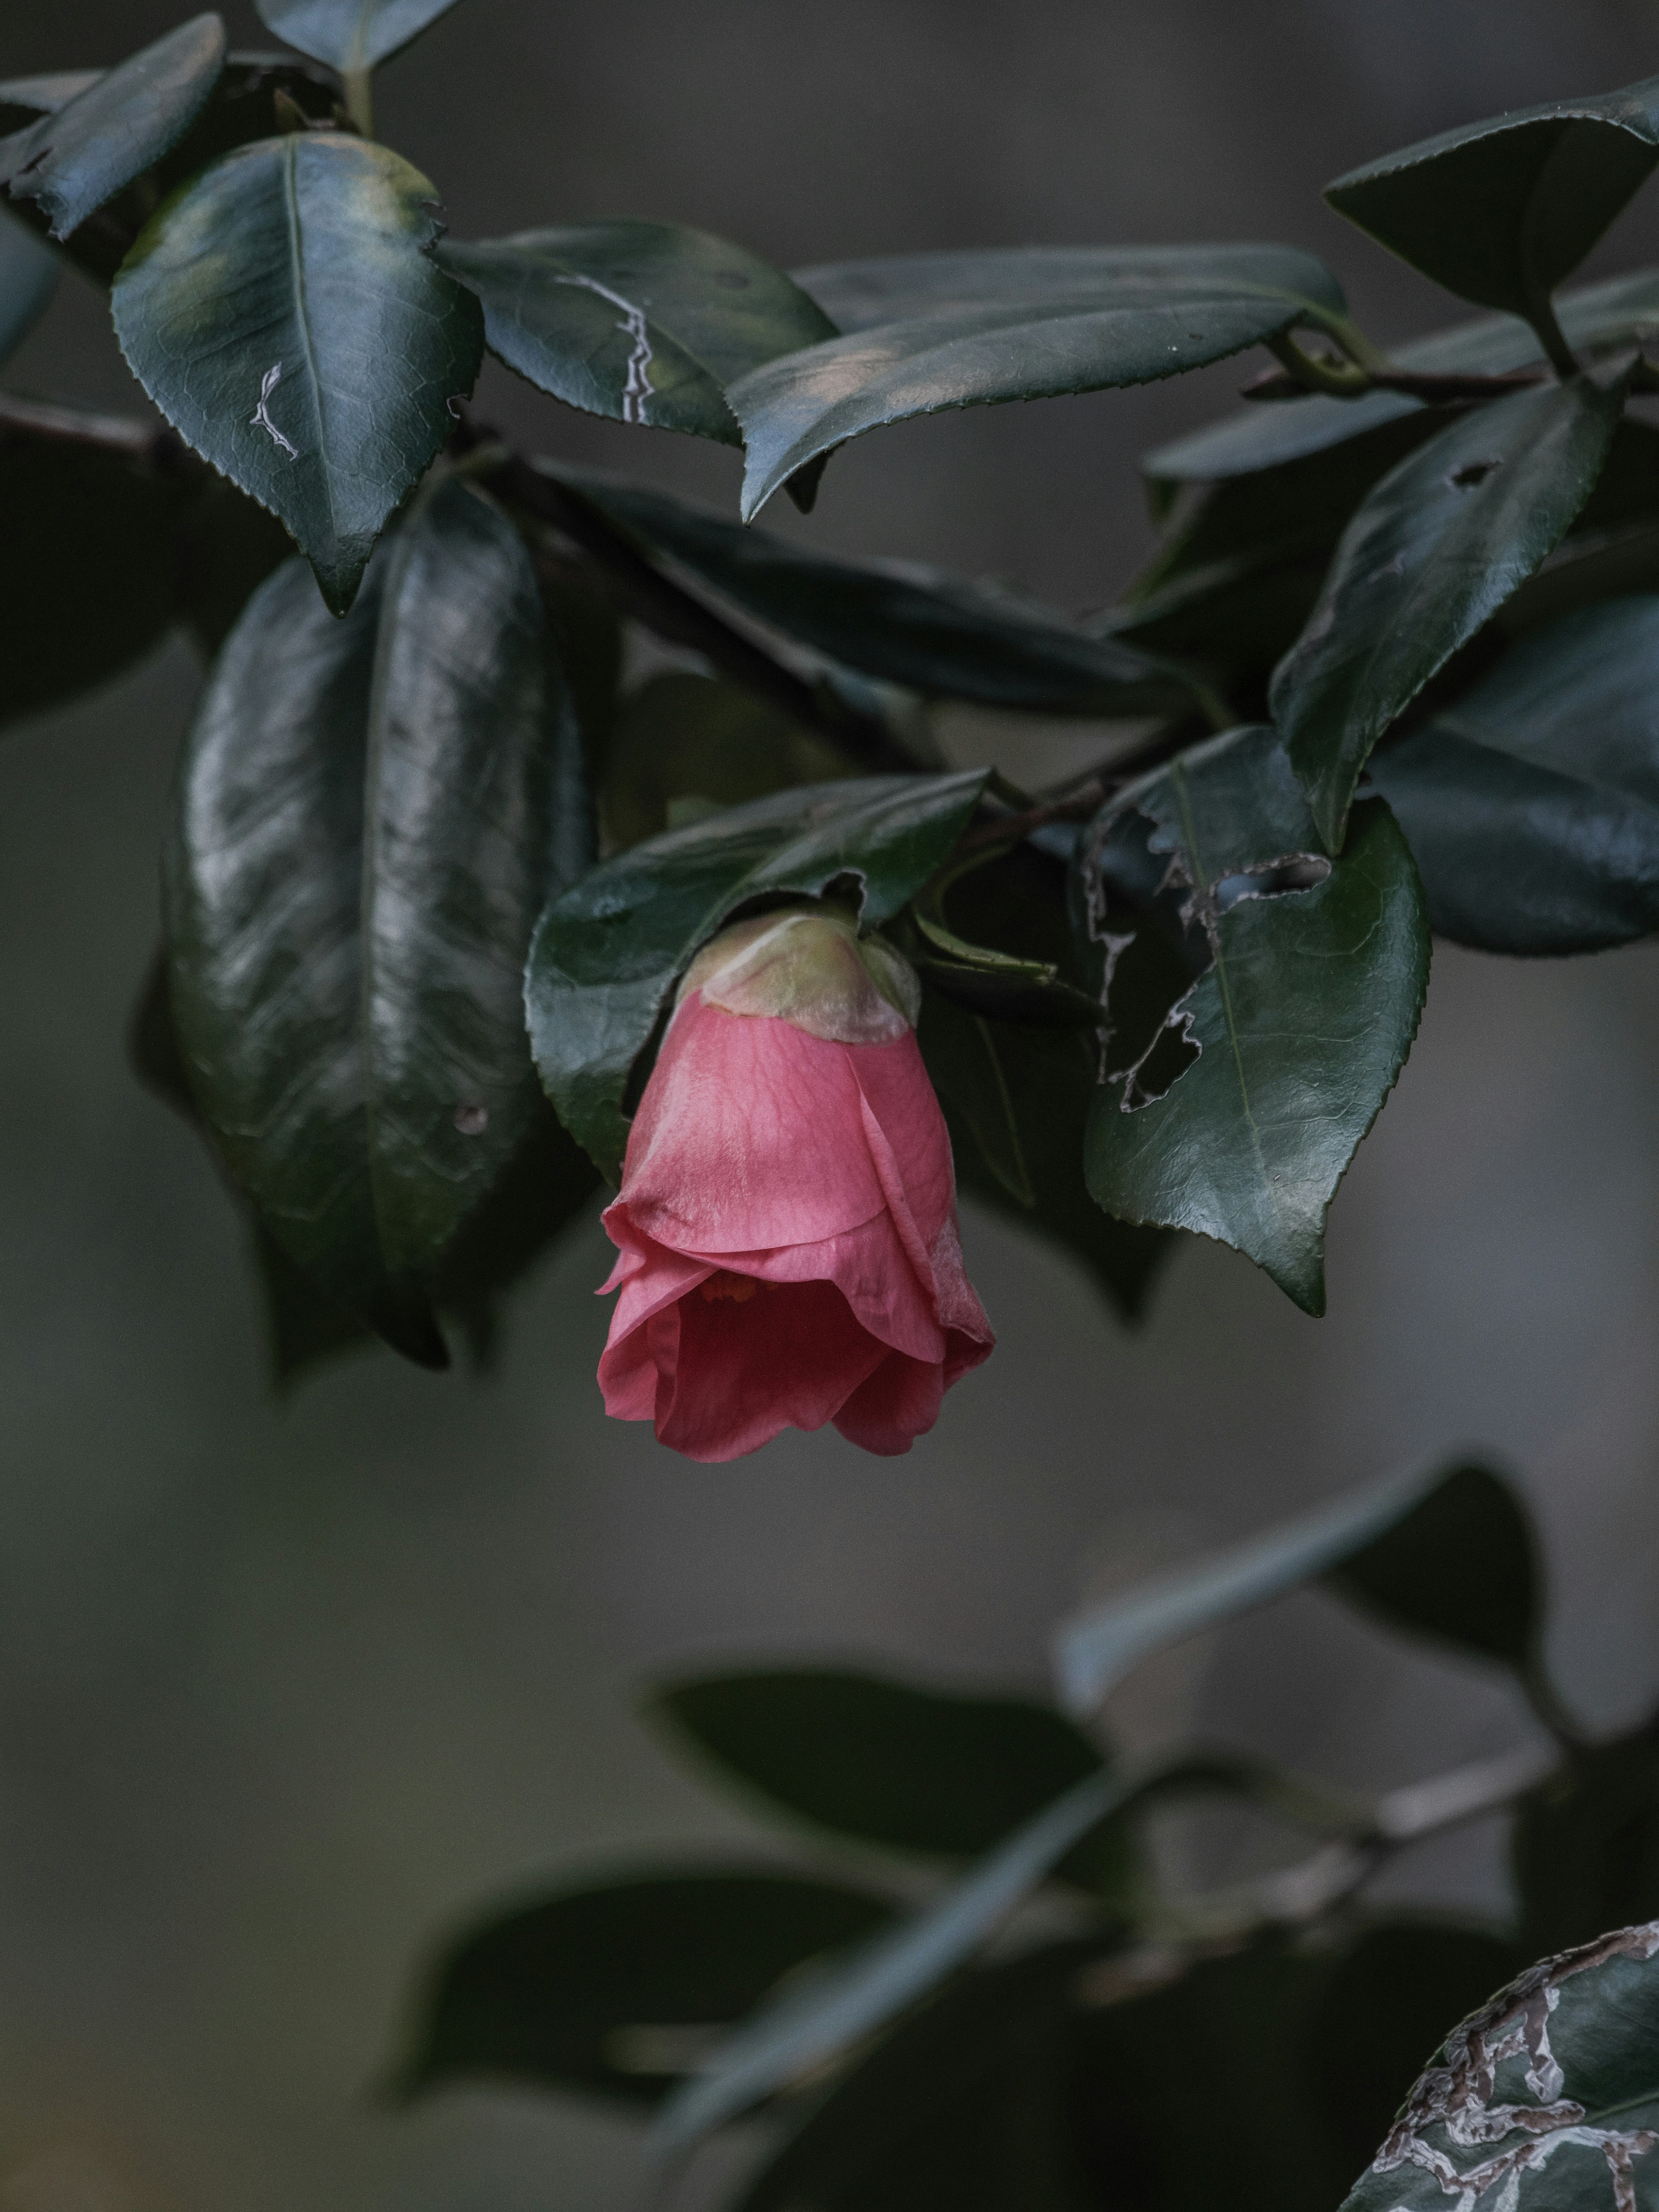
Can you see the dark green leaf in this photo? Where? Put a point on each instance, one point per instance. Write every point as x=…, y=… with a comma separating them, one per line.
x=1532, y=192
x=1436, y=548
x=28, y=277
x=88, y=566
x=588, y=631
x=1532, y=805
x=248, y=309
x=645, y=322
x=935, y=330
x=966, y=1070
x=577, y=1991
x=1544, y=2099
x=606, y=952
x=1462, y=1567
x=351, y=34
x=365, y=836
x=1584, y=1850
x=684, y=744
x=941, y=635
x=881, y=1761
x=73, y=159
x=1597, y=319
x=961, y=2108
x=1240, y=1116
x=1096, y=1649
x=1381, y=2013
x=227, y=544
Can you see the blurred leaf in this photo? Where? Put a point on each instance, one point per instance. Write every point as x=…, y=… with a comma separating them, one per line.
x=588, y=632
x=945, y=636
x=1196, y=2093
x=961, y=2108
x=249, y=308
x=45, y=94
x=645, y=322
x=365, y=836
x=1462, y=1567
x=1532, y=190
x=228, y=546
x=1585, y=1849
x=28, y=277
x=577, y=1991
x=1240, y=1118
x=1381, y=2012
x=606, y=952
x=73, y=159
x=1563, y=2126
x=966, y=1070
x=1436, y=548
x=1096, y=1647
x=882, y=1761
x=681, y=737
x=88, y=571
x=934, y=331
x=1532, y=804
x=1597, y=319
x=351, y=34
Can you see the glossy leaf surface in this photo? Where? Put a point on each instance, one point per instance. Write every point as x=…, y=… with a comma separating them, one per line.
x=1095, y=1649
x=965, y=329
x=645, y=322
x=1546, y=2097
x=1597, y=319
x=251, y=308
x=1532, y=804
x=938, y=634
x=28, y=277
x=1436, y=548
x=351, y=34
x=607, y=952
x=364, y=841
x=1533, y=191
x=79, y=155
x=1288, y=1044
x=880, y=1761
x=582, y=1991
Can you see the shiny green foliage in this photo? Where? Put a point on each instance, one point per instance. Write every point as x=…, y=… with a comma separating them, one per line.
x=1531, y=802
x=1435, y=549
x=28, y=277
x=607, y=951
x=1570, y=2123
x=351, y=34
x=645, y=322
x=75, y=157
x=1240, y=1113
x=934, y=331
x=249, y=309
x=945, y=637
x=349, y=901
x=1533, y=191
x=583, y=1989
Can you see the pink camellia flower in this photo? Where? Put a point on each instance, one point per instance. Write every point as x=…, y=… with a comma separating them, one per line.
x=786, y=1224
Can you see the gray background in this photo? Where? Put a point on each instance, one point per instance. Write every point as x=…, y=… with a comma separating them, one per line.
x=285, y=1690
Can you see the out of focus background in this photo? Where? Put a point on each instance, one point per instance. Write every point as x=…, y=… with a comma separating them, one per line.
x=288, y=1690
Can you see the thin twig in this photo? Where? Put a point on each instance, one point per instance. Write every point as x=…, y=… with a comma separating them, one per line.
x=137, y=441
x=1417, y=383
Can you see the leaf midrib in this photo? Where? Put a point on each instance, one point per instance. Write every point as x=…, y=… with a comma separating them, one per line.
x=302, y=316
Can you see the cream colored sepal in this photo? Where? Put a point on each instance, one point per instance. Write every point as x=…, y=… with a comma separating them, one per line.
x=809, y=965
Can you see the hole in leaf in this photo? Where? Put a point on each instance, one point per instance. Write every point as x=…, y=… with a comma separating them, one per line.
x=1165, y=1060
x=1298, y=871
x=471, y=1118
x=1472, y=473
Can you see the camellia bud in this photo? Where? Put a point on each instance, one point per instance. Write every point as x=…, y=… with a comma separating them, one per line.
x=787, y=1227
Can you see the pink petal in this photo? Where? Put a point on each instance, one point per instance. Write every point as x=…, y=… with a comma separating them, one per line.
x=899, y=1402
x=731, y=1376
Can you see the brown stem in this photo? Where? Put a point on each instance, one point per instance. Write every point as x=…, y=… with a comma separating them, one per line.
x=161, y=447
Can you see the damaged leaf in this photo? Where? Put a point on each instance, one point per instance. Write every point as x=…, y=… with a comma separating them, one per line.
x=645, y=322
x=1528, y=193
x=1532, y=804
x=369, y=821
x=249, y=306
x=1436, y=548
x=78, y=155
x=934, y=331
x=1545, y=2098
x=1239, y=1117
x=607, y=952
